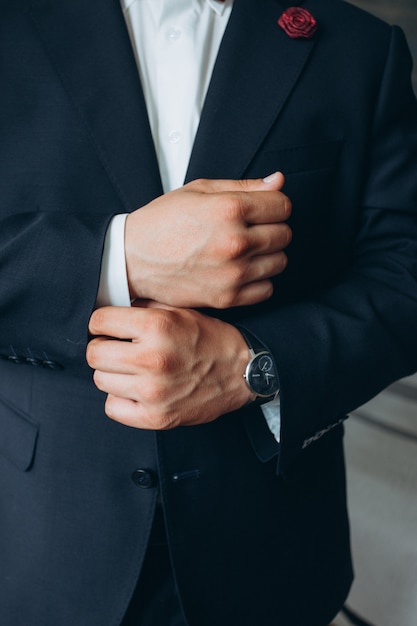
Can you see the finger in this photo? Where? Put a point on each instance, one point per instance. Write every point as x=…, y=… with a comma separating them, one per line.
x=273, y=182
x=113, y=356
x=265, y=266
x=257, y=291
x=262, y=207
x=269, y=238
x=127, y=412
x=257, y=288
x=134, y=414
x=114, y=321
x=254, y=293
x=151, y=304
x=120, y=385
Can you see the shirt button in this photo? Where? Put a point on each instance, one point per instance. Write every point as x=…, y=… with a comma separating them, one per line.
x=174, y=34
x=174, y=136
x=144, y=478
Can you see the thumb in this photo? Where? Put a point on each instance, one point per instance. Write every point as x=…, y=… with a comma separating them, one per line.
x=273, y=182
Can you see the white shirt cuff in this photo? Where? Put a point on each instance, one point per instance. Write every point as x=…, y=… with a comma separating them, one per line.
x=113, y=288
x=272, y=414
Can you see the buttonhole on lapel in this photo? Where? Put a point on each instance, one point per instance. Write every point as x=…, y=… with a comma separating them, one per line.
x=189, y=474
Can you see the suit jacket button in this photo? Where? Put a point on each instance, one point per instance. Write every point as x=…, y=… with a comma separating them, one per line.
x=14, y=358
x=31, y=360
x=144, y=478
x=52, y=365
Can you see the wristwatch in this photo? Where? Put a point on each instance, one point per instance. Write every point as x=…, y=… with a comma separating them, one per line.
x=261, y=373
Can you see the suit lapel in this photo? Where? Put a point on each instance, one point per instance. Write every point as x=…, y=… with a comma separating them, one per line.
x=255, y=72
x=88, y=44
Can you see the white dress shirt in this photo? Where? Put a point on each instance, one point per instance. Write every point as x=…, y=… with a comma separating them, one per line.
x=175, y=43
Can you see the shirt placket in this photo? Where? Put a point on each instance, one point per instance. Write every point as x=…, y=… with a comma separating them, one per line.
x=176, y=88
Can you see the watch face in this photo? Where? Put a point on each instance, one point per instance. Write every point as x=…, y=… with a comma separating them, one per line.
x=261, y=375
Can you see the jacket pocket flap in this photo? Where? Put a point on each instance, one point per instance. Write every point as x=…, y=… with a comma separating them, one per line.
x=307, y=158
x=18, y=435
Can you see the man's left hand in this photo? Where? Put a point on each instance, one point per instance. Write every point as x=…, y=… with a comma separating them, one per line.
x=164, y=367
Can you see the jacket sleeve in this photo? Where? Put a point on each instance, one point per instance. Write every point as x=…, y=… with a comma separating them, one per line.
x=340, y=347
x=49, y=272
x=55, y=205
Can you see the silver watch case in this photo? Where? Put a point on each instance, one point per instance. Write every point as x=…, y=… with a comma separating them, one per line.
x=261, y=376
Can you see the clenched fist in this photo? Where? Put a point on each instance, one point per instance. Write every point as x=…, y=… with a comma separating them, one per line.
x=180, y=367
x=211, y=243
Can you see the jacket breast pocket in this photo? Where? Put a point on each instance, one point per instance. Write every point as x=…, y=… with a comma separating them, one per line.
x=18, y=435
x=314, y=157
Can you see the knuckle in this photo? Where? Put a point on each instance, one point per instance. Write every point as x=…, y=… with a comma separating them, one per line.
x=162, y=322
x=160, y=419
x=165, y=422
x=227, y=299
x=156, y=324
x=199, y=184
x=97, y=320
x=287, y=234
x=97, y=377
x=269, y=290
x=236, y=276
x=154, y=393
x=245, y=184
x=284, y=260
x=236, y=245
x=91, y=353
x=110, y=407
x=234, y=206
x=161, y=361
x=287, y=207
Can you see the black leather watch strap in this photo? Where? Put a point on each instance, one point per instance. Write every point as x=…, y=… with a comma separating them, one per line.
x=253, y=344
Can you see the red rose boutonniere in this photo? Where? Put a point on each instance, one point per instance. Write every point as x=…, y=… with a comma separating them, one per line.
x=298, y=23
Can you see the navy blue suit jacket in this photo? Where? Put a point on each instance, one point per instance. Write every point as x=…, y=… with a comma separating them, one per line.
x=258, y=531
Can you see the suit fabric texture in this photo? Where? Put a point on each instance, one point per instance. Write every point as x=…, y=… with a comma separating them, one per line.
x=258, y=532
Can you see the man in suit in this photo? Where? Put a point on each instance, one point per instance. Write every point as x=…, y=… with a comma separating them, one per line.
x=218, y=498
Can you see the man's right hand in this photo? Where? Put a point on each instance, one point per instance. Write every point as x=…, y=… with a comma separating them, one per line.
x=211, y=243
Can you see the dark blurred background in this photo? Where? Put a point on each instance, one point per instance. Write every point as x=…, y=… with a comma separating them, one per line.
x=400, y=12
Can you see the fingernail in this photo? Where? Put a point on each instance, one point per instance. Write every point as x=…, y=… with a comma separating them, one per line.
x=270, y=178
